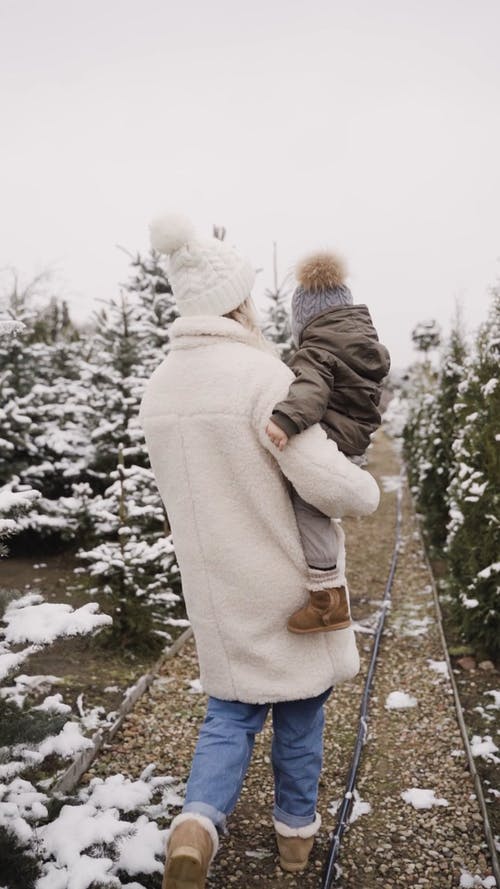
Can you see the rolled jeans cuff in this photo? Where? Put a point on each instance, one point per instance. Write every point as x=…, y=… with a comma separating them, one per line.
x=292, y=820
x=217, y=818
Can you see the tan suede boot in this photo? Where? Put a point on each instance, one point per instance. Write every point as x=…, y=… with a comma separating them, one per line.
x=294, y=852
x=191, y=846
x=326, y=610
x=295, y=844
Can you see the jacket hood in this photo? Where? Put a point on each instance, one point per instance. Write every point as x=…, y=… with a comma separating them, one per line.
x=348, y=332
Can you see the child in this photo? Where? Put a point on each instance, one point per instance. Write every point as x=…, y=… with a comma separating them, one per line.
x=339, y=365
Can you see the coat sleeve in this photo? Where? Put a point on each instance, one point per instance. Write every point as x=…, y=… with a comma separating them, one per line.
x=320, y=473
x=309, y=393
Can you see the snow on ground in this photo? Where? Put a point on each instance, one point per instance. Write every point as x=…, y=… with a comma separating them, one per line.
x=89, y=842
x=143, y=852
x=438, y=666
x=399, y=700
x=390, y=483
x=422, y=798
x=496, y=699
x=359, y=807
x=485, y=747
x=468, y=881
x=488, y=717
x=118, y=792
x=416, y=626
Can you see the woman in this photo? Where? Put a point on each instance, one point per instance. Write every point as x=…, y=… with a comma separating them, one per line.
x=226, y=488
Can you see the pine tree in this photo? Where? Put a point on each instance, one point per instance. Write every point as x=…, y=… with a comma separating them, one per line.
x=30, y=729
x=473, y=544
x=426, y=336
x=277, y=323
x=44, y=410
x=130, y=339
x=420, y=392
x=133, y=560
x=157, y=310
x=439, y=433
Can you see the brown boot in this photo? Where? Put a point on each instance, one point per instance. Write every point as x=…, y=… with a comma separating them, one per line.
x=191, y=846
x=326, y=610
x=295, y=845
x=294, y=852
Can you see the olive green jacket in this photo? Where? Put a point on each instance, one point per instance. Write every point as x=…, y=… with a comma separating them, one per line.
x=339, y=366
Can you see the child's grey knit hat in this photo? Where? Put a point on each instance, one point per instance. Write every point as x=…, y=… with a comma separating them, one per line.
x=321, y=286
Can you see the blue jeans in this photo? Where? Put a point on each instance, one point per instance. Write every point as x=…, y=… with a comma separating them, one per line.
x=224, y=750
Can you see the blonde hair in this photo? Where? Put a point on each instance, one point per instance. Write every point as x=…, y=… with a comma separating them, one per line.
x=246, y=315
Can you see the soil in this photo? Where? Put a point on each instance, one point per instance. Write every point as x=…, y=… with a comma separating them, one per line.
x=81, y=664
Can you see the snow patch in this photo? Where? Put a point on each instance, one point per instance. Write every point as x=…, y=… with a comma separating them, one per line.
x=42, y=623
x=486, y=573
x=496, y=699
x=138, y=852
x=359, y=807
x=399, y=700
x=485, y=747
x=470, y=881
x=438, y=666
x=69, y=741
x=422, y=798
x=118, y=792
x=390, y=483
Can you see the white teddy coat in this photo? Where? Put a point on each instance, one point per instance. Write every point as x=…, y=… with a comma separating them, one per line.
x=204, y=414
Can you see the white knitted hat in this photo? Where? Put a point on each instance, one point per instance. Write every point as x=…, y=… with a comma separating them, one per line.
x=208, y=277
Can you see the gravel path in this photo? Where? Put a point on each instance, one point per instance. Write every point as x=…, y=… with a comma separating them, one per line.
x=393, y=844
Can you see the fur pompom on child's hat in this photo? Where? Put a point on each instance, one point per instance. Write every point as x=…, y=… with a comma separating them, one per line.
x=208, y=277
x=321, y=271
x=321, y=287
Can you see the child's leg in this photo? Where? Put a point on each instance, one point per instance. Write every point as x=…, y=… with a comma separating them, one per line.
x=317, y=535
x=328, y=606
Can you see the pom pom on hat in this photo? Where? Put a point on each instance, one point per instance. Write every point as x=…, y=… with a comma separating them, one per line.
x=321, y=271
x=209, y=278
x=170, y=231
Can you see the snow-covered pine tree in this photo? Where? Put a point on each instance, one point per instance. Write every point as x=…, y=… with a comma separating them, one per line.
x=149, y=285
x=43, y=415
x=420, y=393
x=113, y=379
x=426, y=335
x=130, y=338
x=277, y=324
x=128, y=549
x=31, y=728
x=473, y=544
x=133, y=561
x=436, y=437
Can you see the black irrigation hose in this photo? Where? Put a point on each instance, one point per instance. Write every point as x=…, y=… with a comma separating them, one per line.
x=330, y=872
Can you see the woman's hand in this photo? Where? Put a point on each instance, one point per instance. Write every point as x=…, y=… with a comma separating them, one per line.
x=277, y=436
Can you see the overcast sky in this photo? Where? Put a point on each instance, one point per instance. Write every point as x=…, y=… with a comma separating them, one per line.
x=370, y=127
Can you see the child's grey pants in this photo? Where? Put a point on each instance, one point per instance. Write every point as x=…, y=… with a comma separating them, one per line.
x=319, y=540
x=317, y=534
